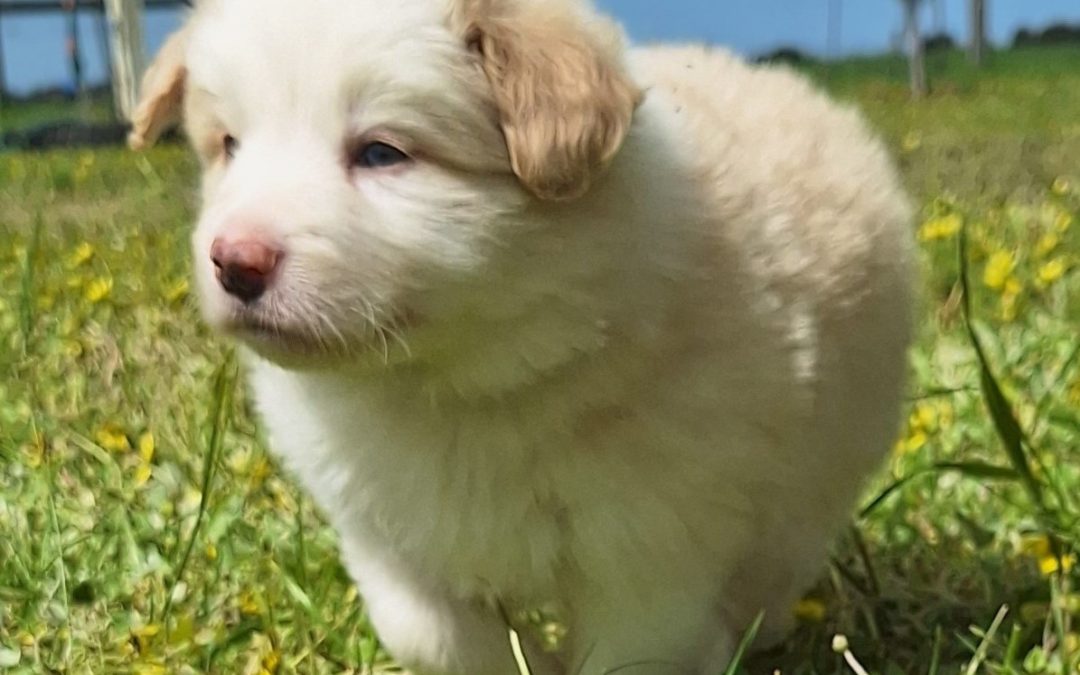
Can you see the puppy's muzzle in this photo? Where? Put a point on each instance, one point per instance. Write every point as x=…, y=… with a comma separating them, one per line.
x=245, y=268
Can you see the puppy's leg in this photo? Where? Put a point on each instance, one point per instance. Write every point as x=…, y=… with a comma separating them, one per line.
x=658, y=631
x=430, y=632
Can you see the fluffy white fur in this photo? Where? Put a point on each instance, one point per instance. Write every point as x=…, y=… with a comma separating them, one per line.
x=650, y=405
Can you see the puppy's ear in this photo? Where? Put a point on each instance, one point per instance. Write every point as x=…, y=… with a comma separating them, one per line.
x=161, y=98
x=564, y=99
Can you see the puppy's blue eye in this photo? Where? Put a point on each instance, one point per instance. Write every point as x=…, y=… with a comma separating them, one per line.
x=378, y=155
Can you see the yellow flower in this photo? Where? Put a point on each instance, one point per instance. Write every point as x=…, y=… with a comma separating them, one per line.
x=1047, y=243
x=1051, y=272
x=183, y=631
x=248, y=604
x=1061, y=186
x=270, y=662
x=941, y=227
x=211, y=552
x=259, y=471
x=1063, y=222
x=35, y=451
x=912, y=141
x=810, y=610
x=142, y=474
x=177, y=291
x=143, y=636
x=81, y=255
x=914, y=441
x=924, y=417
x=1051, y=564
x=146, y=447
x=1035, y=545
x=98, y=289
x=1039, y=547
x=112, y=437
x=998, y=269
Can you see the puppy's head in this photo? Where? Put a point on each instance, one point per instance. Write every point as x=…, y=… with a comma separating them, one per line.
x=358, y=153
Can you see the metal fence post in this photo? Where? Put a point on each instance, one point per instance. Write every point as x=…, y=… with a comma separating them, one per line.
x=3, y=74
x=127, y=50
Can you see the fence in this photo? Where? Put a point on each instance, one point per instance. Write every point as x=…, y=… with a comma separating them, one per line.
x=125, y=37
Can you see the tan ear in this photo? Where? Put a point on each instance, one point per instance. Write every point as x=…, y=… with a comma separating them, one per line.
x=161, y=98
x=564, y=99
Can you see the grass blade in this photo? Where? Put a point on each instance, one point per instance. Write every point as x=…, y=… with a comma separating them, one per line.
x=744, y=645
x=519, y=653
x=221, y=404
x=969, y=469
x=984, y=645
x=26, y=296
x=935, y=658
x=1001, y=410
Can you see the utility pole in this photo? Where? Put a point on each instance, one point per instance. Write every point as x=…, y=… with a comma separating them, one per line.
x=128, y=53
x=977, y=46
x=3, y=75
x=916, y=48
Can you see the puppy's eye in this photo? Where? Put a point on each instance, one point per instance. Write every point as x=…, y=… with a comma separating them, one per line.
x=230, y=145
x=377, y=155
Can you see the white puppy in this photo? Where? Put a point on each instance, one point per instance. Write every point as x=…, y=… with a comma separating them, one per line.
x=543, y=322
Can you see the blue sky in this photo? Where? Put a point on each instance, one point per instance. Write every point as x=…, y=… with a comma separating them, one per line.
x=34, y=52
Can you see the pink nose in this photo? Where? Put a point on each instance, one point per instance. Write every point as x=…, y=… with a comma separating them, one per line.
x=245, y=268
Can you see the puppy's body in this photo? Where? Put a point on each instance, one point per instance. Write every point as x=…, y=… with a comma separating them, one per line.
x=649, y=407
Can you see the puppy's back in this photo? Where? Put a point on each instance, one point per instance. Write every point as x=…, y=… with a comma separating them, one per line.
x=806, y=202
x=797, y=180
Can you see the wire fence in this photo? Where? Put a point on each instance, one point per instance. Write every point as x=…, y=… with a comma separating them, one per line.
x=71, y=10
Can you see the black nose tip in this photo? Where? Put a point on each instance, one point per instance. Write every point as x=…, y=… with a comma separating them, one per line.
x=244, y=283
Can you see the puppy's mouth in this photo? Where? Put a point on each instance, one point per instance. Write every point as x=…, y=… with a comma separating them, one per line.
x=252, y=327
x=274, y=339
x=300, y=342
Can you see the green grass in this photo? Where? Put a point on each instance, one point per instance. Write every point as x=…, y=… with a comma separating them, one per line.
x=20, y=115
x=144, y=528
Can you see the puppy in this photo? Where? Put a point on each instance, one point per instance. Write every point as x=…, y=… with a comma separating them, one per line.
x=543, y=322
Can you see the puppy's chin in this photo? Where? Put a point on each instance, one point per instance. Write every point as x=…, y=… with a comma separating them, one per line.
x=288, y=349
x=294, y=341
x=290, y=344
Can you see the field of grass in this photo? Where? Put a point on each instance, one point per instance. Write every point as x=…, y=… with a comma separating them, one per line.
x=144, y=529
x=15, y=116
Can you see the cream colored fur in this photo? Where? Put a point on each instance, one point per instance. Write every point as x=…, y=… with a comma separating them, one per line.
x=623, y=339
